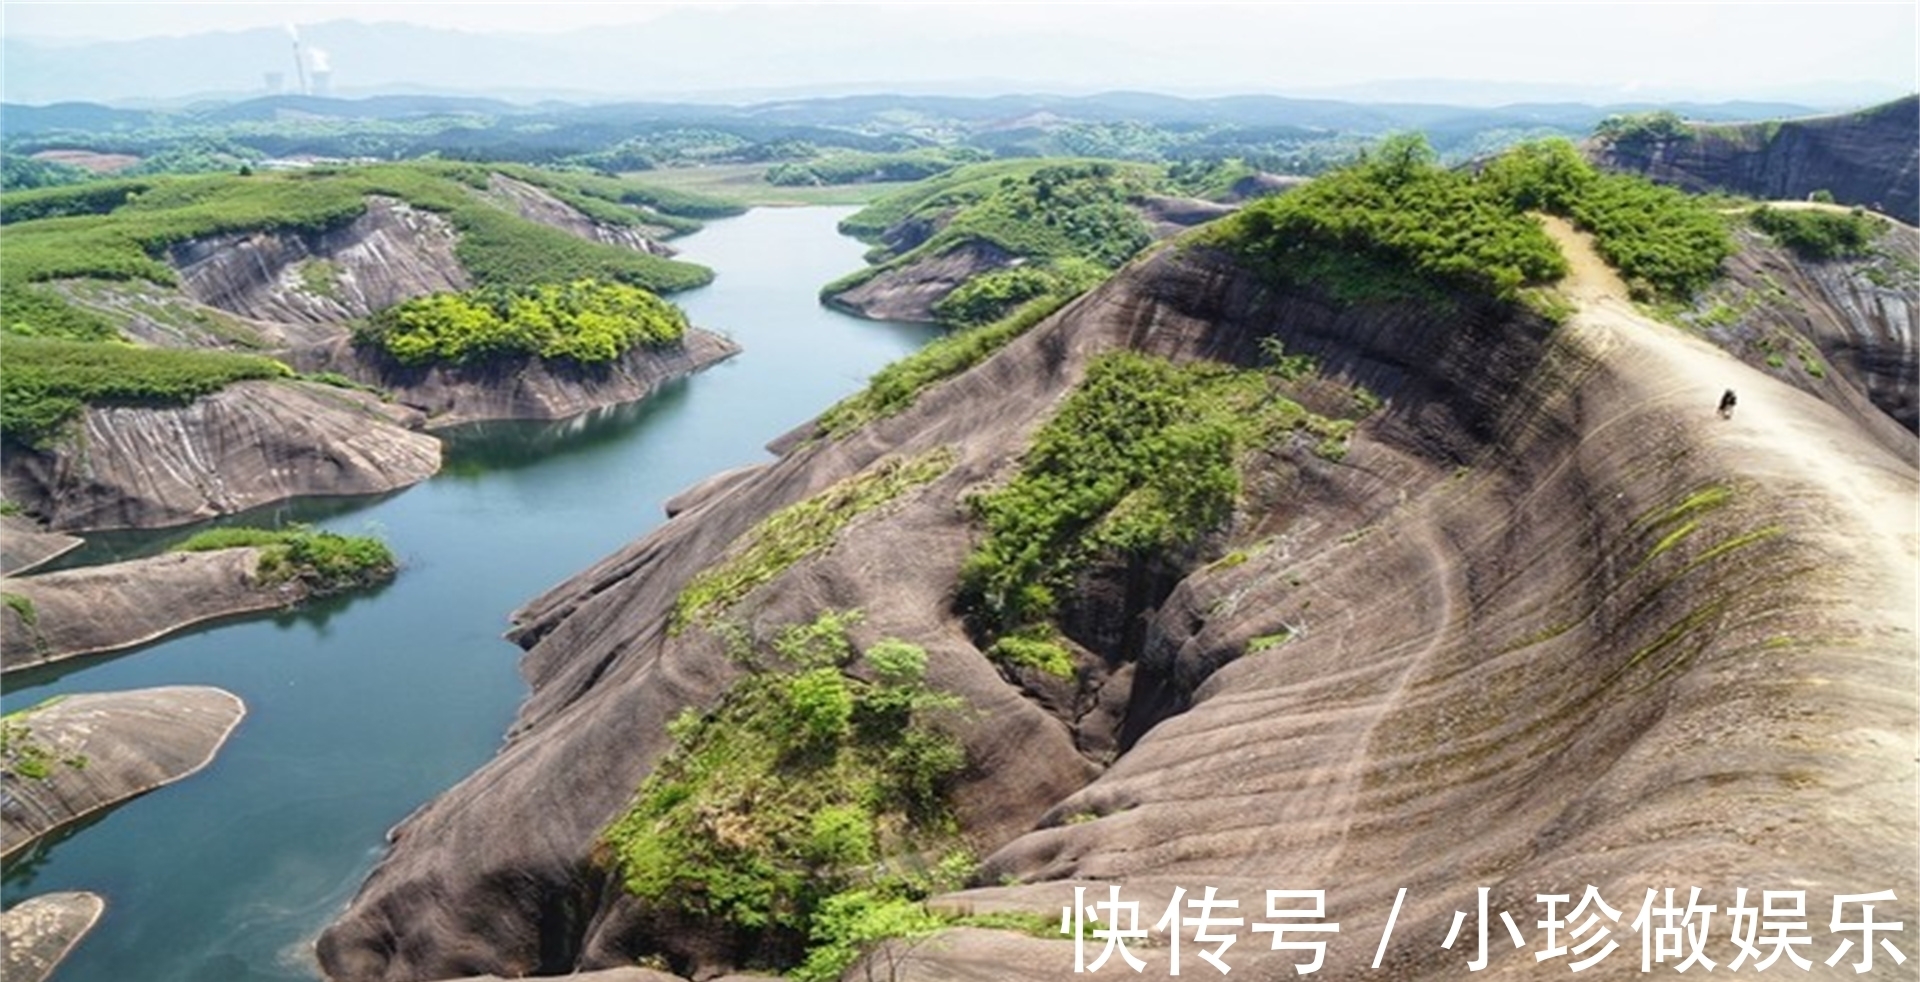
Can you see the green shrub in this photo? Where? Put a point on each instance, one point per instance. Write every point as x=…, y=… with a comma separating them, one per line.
x=583, y=321
x=1394, y=226
x=1038, y=652
x=325, y=562
x=797, y=531
x=38, y=312
x=1143, y=457
x=48, y=381
x=789, y=834
x=1818, y=234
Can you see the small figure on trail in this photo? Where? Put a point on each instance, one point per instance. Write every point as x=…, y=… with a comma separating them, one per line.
x=1727, y=401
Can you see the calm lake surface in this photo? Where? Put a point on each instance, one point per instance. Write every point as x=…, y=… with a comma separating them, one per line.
x=361, y=709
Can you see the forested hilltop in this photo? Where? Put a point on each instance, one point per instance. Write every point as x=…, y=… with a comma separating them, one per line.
x=334, y=293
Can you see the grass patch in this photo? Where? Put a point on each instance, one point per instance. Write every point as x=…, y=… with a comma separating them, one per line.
x=324, y=562
x=1818, y=234
x=321, y=278
x=48, y=382
x=37, y=312
x=1037, y=649
x=584, y=321
x=22, y=605
x=806, y=814
x=797, y=531
x=24, y=756
x=896, y=386
x=1268, y=642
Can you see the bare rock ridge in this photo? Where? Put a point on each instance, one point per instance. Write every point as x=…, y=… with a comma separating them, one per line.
x=1549, y=623
x=247, y=445
x=1869, y=158
x=393, y=252
x=536, y=204
x=99, y=749
x=25, y=545
x=37, y=934
x=97, y=609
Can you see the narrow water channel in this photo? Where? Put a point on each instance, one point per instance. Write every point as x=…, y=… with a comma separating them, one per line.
x=363, y=708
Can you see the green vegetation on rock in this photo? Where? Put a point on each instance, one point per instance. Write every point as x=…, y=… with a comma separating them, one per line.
x=806, y=814
x=23, y=755
x=49, y=381
x=324, y=562
x=1817, y=233
x=797, y=531
x=583, y=321
x=896, y=386
x=1397, y=226
x=849, y=167
x=127, y=239
x=38, y=312
x=1142, y=458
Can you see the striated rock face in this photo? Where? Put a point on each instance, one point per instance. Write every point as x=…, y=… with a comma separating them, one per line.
x=247, y=445
x=392, y=253
x=36, y=935
x=1841, y=329
x=95, y=609
x=1550, y=623
x=520, y=388
x=909, y=293
x=536, y=204
x=24, y=545
x=102, y=748
x=1869, y=158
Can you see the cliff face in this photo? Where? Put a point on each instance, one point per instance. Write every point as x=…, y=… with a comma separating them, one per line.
x=392, y=253
x=520, y=388
x=104, y=608
x=1869, y=158
x=538, y=205
x=247, y=445
x=1841, y=329
x=1549, y=623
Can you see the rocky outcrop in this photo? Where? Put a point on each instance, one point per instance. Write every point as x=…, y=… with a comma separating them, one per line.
x=97, y=609
x=246, y=445
x=908, y=293
x=99, y=749
x=393, y=252
x=24, y=545
x=37, y=934
x=536, y=204
x=1869, y=158
x=709, y=489
x=1841, y=329
x=1549, y=623
x=521, y=387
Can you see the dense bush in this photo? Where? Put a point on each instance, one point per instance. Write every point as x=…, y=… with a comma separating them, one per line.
x=1392, y=223
x=1395, y=225
x=583, y=321
x=860, y=168
x=48, y=381
x=1632, y=129
x=91, y=198
x=992, y=296
x=325, y=562
x=1143, y=457
x=810, y=800
x=1817, y=233
x=35, y=312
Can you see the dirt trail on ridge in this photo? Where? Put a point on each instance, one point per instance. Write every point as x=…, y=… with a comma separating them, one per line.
x=1862, y=497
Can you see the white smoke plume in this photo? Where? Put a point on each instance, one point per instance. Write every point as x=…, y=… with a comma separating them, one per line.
x=317, y=59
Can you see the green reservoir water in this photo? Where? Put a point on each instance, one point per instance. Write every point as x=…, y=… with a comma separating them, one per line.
x=362, y=709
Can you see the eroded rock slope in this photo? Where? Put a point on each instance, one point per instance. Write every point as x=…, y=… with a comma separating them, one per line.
x=1549, y=623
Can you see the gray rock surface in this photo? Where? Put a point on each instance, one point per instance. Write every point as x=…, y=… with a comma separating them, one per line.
x=909, y=292
x=521, y=388
x=37, y=934
x=392, y=253
x=102, y=748
x=249, y=444
x=1501, y=673
x=1869, y=158
x=24, y=544
x=96, y=609
x=536, y=204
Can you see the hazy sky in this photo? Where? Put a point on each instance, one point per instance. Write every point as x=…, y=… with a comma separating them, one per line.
x=1624, y=47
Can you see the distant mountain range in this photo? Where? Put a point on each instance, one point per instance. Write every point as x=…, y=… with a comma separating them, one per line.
x=703, y=55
